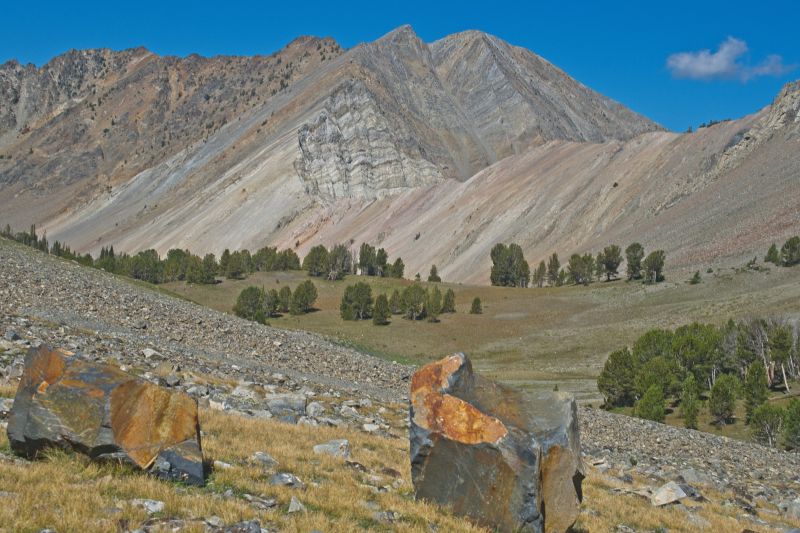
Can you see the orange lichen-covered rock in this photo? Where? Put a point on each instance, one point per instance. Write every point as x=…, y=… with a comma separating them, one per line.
x=105, y=413
x=505, y=459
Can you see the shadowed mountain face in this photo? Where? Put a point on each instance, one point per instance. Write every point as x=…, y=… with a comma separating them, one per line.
x=466, y=141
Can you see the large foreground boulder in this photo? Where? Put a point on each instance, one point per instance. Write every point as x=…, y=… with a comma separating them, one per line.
x=505, y=459
x=105, y=413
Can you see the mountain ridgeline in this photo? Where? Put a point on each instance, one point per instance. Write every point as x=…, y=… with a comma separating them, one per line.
x=433, y=151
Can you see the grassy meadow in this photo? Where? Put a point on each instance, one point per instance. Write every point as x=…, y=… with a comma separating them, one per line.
x=531, y=338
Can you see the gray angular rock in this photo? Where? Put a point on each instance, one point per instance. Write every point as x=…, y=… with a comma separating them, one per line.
x=287, y=480
x=296, y=506
x=497, y=456
x=286, y=407
x=672, y=492
x=248, y=526
x=336, y=448
x=263, y=458
x=151, y=506
x=315, y=409
x=6, y=404
x=65, y=402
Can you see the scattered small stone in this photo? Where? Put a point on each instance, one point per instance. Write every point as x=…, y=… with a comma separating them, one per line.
x=215, y=521
x=670, y=493
x=371, y=428
x=150, y=353
x=248, y=526
x=288, y=480
x=260, y=503
x=388, y=517
x=263, y=458
x=355, y=465
x=151, y=506
x=693, y=477
x=390, y=472
x=6, y=404
x=222, y=465
x=287, y=407
x=244, y=391
x=315, y=409
x=296, y=506
x=11, y=335
x=335, y=448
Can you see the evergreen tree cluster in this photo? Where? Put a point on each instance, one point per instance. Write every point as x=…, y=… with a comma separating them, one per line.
x=510, y=269
x=372, y=262
x=789, y=254
x=415, y=302
x=332, y=265
x=259, y=304
x=702, y=365
x=178, y=265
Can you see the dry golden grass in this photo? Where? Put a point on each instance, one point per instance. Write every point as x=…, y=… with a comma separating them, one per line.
x=69, y=493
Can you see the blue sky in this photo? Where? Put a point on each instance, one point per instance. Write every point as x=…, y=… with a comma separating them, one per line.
x=626, y=50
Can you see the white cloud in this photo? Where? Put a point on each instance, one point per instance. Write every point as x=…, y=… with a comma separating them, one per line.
x=725, y=63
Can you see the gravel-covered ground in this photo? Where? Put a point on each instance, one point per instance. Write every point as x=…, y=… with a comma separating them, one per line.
x=35, y=285
x=180, y=344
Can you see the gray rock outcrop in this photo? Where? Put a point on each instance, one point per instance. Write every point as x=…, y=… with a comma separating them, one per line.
x=506, y=460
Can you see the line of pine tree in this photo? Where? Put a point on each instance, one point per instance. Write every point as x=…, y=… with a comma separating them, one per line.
x=414, y=302
x=510, y=269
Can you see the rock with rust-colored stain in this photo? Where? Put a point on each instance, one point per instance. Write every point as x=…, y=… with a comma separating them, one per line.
x=506, y=459
x=105, y=413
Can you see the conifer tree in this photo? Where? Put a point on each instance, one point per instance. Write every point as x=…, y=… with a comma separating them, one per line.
x=476, y=308
x=553, y=269
x=791, y=425
x=773, y=256
x=381, y=312
x=414, y=300
x=633, y=257
x=690, y=402
x=434, y=305
x=285, y=299
x=651, y=406
x=433, y=276
x=396, y=303
x=612, y=258
x=398, y=268
x=755, y=389
x=449, y=302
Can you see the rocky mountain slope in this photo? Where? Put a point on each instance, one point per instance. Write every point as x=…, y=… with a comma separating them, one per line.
x=433, y=151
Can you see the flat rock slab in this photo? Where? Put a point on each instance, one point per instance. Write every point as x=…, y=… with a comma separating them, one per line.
x=105, y=413
x=505, y=459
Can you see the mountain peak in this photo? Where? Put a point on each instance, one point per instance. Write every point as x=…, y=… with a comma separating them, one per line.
x=401, y=33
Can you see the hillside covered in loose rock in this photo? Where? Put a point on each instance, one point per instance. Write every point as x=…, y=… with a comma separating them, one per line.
x=279, y=393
